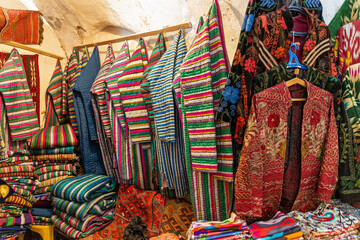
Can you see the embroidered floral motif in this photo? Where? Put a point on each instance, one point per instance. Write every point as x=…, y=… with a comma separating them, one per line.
x=315, y=118
x=250, y=65
x=231, y=94
x=273, y=120
x=280, y=52
x=239, y=59
x=309, y=45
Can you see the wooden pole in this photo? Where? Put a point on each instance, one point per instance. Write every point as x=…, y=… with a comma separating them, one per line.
x=27, y=48
x=137, y=35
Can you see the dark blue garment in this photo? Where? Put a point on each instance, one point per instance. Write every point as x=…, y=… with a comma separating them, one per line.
x=42, y=212
x=90, y=150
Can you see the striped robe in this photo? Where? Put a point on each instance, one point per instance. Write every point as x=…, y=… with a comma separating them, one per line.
x=151, y=167
x=54, y=95
x=207, y=141
x=18, y=104
x=98, y=100
x=90, y=150
x=122, y=162
x=169, y=144
x=136, y=116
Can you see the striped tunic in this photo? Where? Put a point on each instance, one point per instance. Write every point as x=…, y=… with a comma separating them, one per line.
x=84, y=60
x=54, y=97
x=203, y=76
x=169, y=150
x=19, y=106
x=121, y=144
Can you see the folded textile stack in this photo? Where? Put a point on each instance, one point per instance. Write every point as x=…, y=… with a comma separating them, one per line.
x=327, y=222
x=232, y=228
x=281, y=226
x=54, y=152
x=83, y=204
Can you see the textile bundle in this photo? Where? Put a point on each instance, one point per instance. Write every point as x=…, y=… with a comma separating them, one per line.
x=232, y=228
x=54, y=152
x=83, y=205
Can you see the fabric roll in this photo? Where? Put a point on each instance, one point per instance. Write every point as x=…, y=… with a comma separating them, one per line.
x=97, y=206
x=61, y=150
x=55, y=157
x=17, y=168
x=55, y=136
x=54, y=96
x=64, y=167
x=22, y=119
x=25, y=219
x=89, y=147
x=49, y=175
x=83, y=188
x=52, y=181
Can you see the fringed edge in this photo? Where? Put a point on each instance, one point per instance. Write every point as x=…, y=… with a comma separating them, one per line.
x=41, y=29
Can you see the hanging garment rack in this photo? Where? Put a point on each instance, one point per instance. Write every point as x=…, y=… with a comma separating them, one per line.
x=34, y=50
x=137, y=35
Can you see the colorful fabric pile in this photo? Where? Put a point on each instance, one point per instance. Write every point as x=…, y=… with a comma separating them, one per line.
x=54, y=152
x=232, y=228
x=83, y=205
x=327, y=222
x=280, y=226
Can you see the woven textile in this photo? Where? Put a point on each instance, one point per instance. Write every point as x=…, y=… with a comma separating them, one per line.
x=89, y=147
x=63, y=167
x=25, y=219
x=83, y=188
x=97, y=206
x=54, y=174
x=148, y=205
x=54, y=157
x=19, y=168
x=17, y=174
x=81, y=66
x=121, y=159
x=21, y=26
x=54, y=98
x=102, y=118
x=130, y=94
x=166, y=236
x=208, y=144
x=60, y=150
x=348, y=12
x=18, y=201
x=52, y=181
x=22, y=119
x=31, y=66
x=178, y=216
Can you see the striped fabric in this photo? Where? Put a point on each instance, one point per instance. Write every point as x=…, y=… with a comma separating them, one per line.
x=52, y=181
x=54, y=174
x=64, y=167
x=90, y=221
x=17, y=174
x=55, y=136
x=43, y=190
x=18, y=180
x=68, y=78
x=18, y=201
x=211, y=174
x=84, y=60
x=18, y=159
x=74, y=233
x=55, y=157
x=121, y=144
x=20, y=109
x=18, y=168
x=102, y=118
x=130, y=94
x=24, y=219
x=97, y=206
x=60, y=150
x=83, y=188
x=41, y=220
x=54, y=97
x=169, y=149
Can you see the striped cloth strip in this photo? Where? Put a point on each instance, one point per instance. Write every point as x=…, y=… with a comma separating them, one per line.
x=19, y=151
x=83, y=188
x=74, y=233
x=19, y=106
x=130, y=94
x=54, y=174
x=160, y=79
x=18, y=180
x=97, y=206
x=54, y=98
x=8, y=164
x=21, y=191
x=121, y=143
x=19, y=201
x=10, y=211
x=17, y=174
x=30, y=187
x=55, y=136
x=18, y=168
x=29, y=198
x=55, y=157
x=39, y=220
x=42, y=197
x=82, y=64
x=52, y=181
x=68, y=78
x=102, y=118
x=208, y=189
x=64, y=167
x=18, y=159
x=89, y=222
x=60, y=150
x=42, y=190
x=24, y=219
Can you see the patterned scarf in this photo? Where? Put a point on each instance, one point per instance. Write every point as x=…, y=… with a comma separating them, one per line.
x=21, y=26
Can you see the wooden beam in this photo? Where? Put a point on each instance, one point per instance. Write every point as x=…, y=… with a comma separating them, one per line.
x=31, y=49
x=138, y=35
